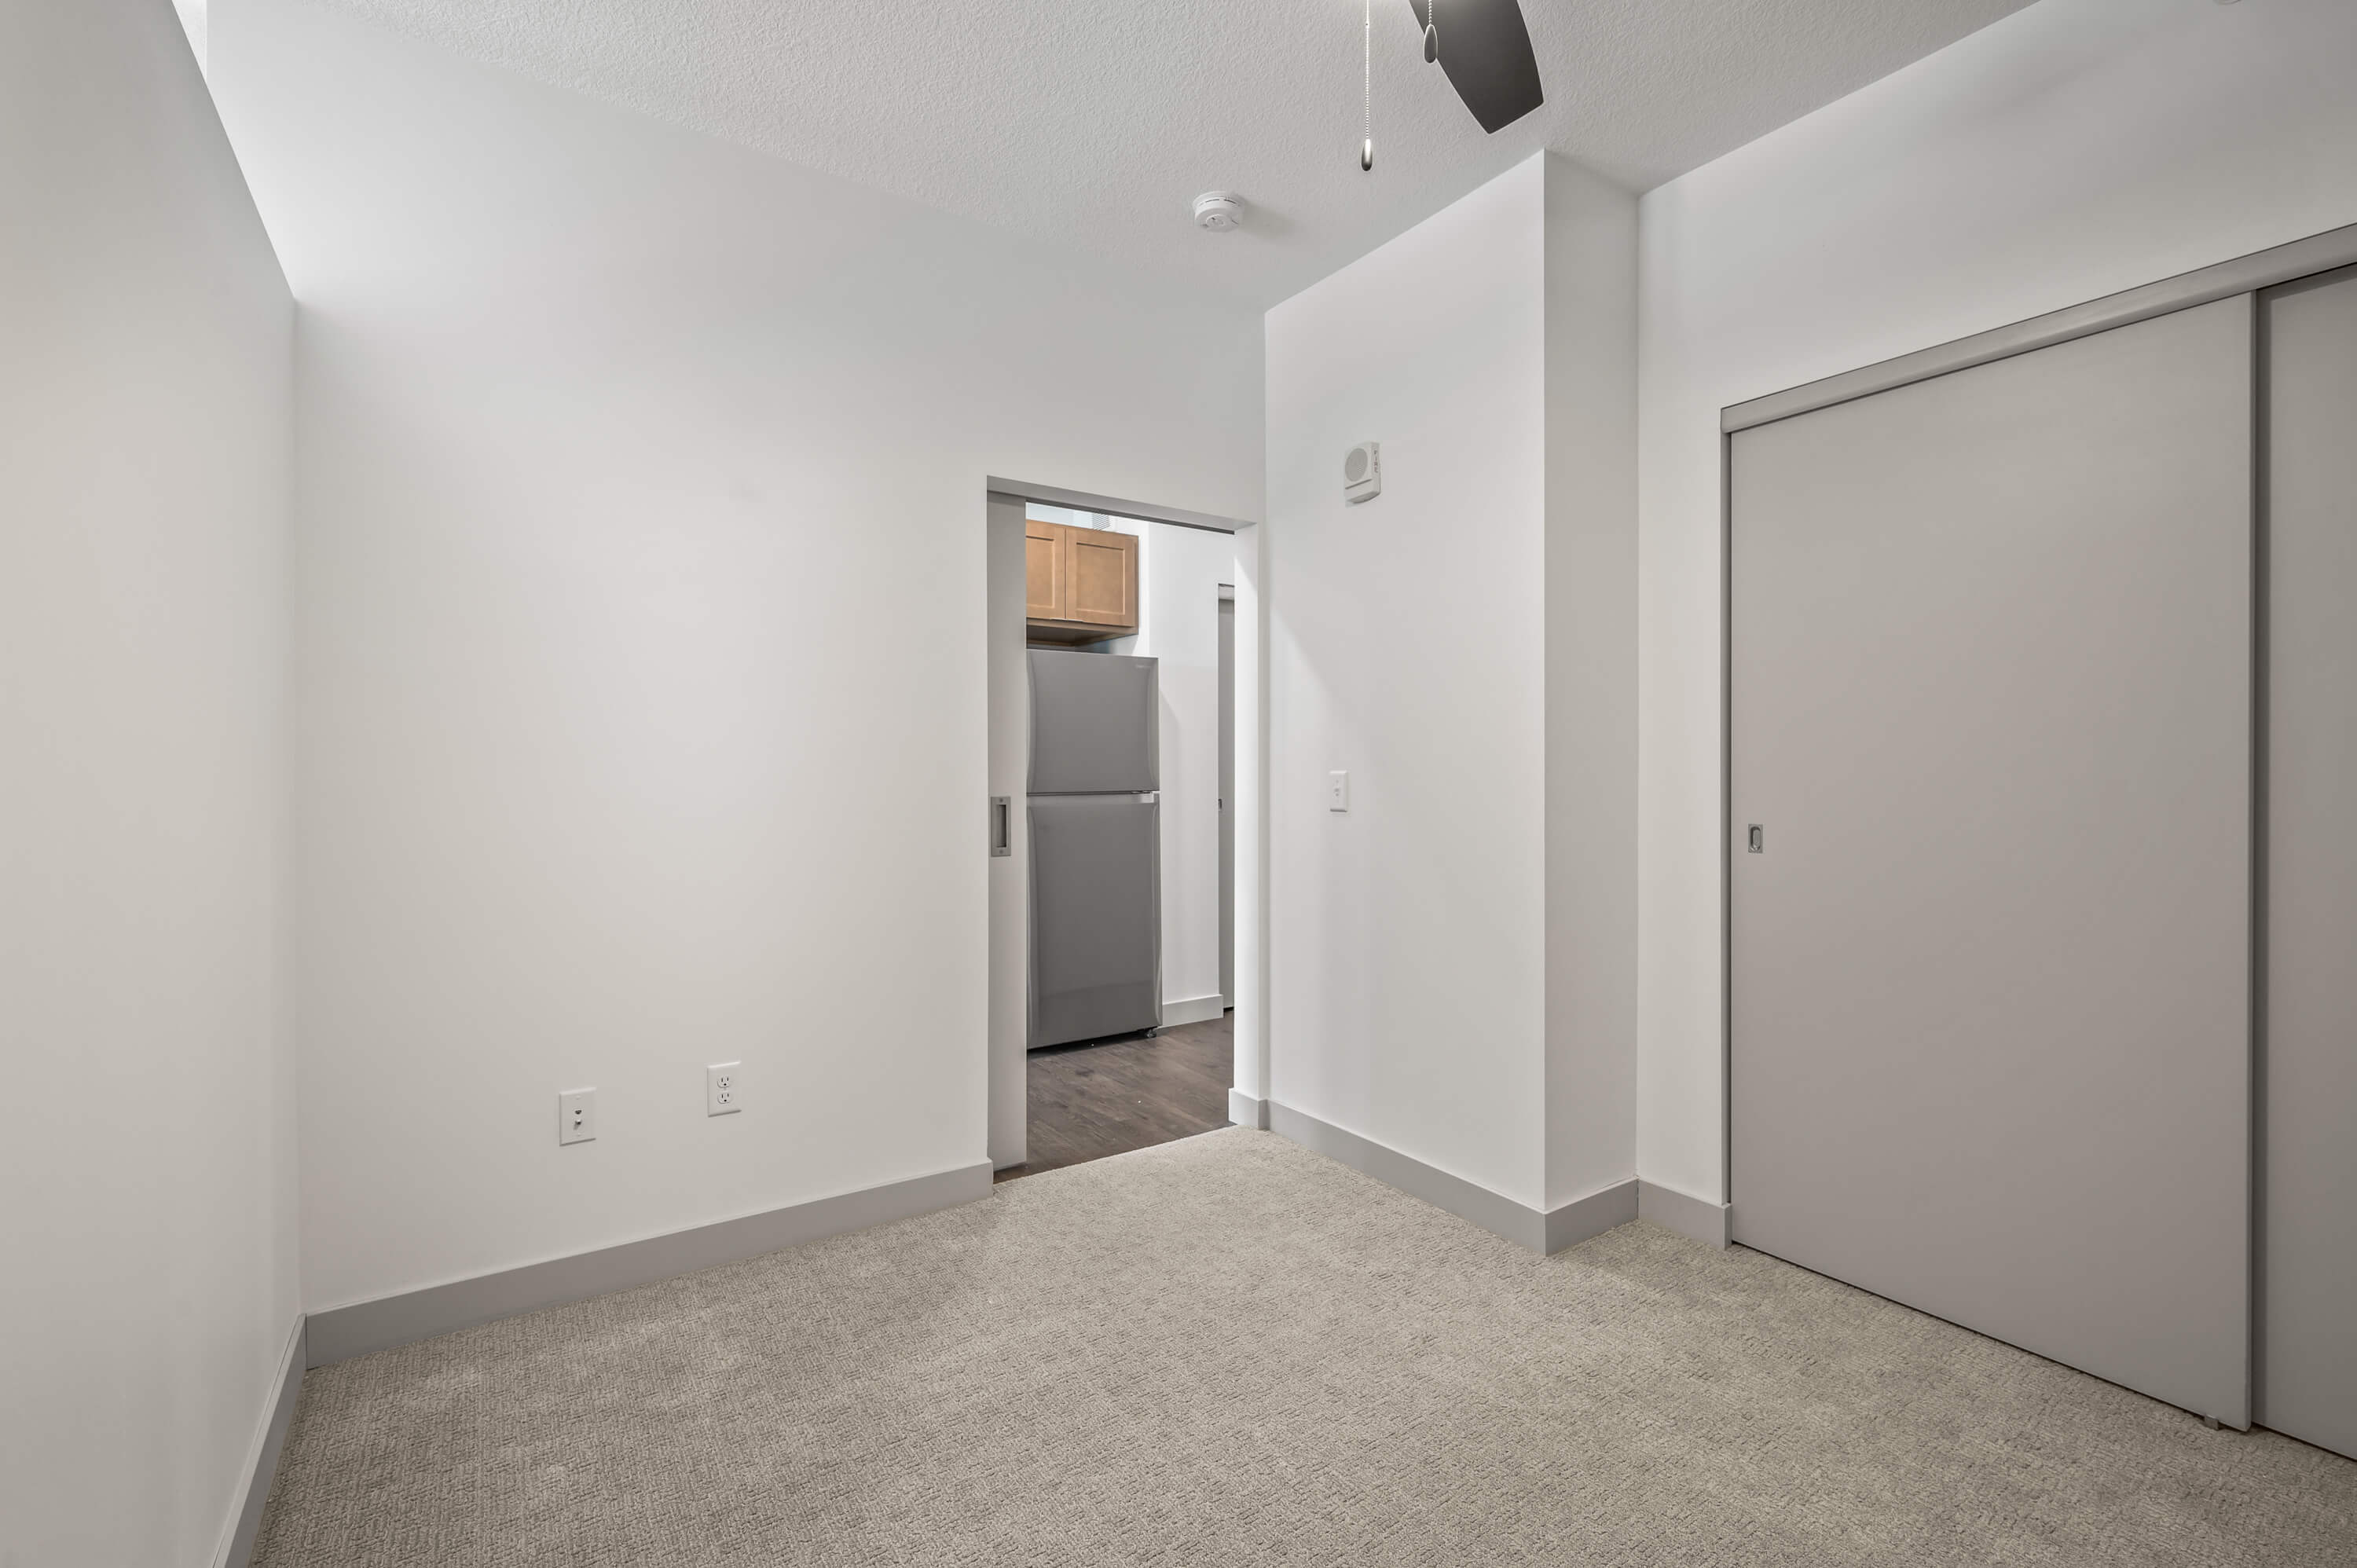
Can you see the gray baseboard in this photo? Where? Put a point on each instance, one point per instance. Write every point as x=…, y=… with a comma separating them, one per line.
x=1592, y=1216
x=239, y=1550
x=1192, y=1010
x=1674, y=1210
x=1539, y=1231
x=347, y=1331
x=1246, y=1112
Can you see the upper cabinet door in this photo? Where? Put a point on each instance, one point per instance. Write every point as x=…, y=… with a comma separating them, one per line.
x=1045, y=571
x=1101, y=577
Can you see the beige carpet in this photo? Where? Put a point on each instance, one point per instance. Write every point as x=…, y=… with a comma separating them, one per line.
x=1229, y=1350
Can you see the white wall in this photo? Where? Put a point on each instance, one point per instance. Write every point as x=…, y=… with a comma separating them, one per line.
x=1181, y=572
x=1591, y=674
x=192, y=21
x=1407, y=645
x=1426, y=993
x=2076, y=148
x=148, y=1163
x=642, y=639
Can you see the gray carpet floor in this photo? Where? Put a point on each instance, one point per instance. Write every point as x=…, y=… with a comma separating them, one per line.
x=1230, y=1351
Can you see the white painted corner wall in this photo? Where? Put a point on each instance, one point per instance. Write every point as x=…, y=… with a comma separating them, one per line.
x=147, y=1199
x=642, y=700
x=1591, y=683
x=1407, y=645
x=2076, y=148
x=1451, y=975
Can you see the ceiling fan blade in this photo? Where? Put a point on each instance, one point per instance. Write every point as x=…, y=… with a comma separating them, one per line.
x=1486, y=51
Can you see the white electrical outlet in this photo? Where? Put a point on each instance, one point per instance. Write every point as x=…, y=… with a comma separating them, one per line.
x=576, y=1115
x=1337, y=791
x=723, y=1088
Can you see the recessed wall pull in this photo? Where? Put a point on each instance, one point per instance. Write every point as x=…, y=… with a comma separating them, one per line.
x=1751, y=839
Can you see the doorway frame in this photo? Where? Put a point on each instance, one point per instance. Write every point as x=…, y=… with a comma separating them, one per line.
x=1008, y=917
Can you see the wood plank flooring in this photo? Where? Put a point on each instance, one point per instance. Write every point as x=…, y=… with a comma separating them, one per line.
x=1088, y=1102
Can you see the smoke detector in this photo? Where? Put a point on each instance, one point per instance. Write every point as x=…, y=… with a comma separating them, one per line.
x=1219, y=211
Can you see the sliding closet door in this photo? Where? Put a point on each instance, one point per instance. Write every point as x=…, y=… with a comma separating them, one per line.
x=1991, y=712
x=2308, y=1294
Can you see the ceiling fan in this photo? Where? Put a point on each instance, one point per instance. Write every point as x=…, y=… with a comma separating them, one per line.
x=1485, y=51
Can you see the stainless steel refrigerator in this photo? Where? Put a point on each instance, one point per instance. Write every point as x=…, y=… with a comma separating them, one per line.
x=1096, y=846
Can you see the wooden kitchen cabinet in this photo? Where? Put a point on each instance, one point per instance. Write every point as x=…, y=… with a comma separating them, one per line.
x=1079, y=584
x=1043, y=571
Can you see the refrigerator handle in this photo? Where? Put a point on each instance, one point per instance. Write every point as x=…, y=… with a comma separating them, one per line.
x=1002, y=826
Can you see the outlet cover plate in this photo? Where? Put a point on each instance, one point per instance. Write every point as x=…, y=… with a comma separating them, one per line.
x=577, y=1116
x=723, y=1088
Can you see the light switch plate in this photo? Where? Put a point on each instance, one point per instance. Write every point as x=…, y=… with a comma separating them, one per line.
x=723, y=1088
x=1337, y=791
x=577, y=1116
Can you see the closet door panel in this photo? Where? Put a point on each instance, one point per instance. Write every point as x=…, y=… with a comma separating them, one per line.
x=1990, y=663
x=2308, y=1295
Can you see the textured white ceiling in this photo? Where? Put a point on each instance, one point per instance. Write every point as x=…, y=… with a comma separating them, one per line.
x=1096, y=122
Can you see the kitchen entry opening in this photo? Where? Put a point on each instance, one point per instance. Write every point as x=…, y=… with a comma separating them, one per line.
x=1113, y=818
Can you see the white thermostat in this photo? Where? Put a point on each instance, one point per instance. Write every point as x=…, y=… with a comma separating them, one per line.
x=1362, y=472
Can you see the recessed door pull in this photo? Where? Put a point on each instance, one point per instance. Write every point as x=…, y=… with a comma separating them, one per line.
x=1752, y=839
x=1002, y=826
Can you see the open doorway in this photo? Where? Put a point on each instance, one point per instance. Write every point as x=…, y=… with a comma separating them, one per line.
x=1115, y=811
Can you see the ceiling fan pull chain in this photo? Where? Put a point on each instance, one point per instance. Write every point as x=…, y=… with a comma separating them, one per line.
x=1367, y=86
x=1431, y=31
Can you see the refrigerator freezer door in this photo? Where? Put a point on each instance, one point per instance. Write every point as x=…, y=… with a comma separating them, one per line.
x=1096, y=945
x=1095, y=722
